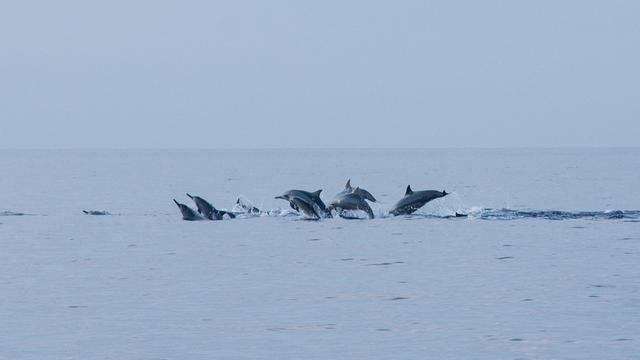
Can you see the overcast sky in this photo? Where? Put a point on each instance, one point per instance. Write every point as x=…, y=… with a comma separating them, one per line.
x=207, y=74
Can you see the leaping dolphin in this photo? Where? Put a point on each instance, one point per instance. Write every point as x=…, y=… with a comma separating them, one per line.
x=187, y=212
x=206, y=209
x=306, y=201
x=362, y=192
x=350, y=201
x=414, y=200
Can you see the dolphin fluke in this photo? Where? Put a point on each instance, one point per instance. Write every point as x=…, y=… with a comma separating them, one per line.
x=444, y=193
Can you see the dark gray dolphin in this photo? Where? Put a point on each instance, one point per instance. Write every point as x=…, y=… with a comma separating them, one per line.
x=187, y=212
x=362, y=192
x=306, y=198
x=206, y=209
x=414, y=200
x=350, y=201
x=308, y=208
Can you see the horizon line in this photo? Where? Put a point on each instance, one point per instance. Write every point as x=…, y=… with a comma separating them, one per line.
x=319, y=148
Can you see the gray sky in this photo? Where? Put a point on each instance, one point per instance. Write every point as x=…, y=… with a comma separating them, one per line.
x=207, y=74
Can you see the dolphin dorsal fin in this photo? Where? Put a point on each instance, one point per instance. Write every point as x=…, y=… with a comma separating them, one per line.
x=409, y=191
x=316, y=193
x=348, y=185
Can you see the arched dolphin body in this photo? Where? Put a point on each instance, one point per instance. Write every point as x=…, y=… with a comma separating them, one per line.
x=414, y=200
x=307, y=202
x=206, y=209
x=350, y=201
x=187, y=212
x=362, y=192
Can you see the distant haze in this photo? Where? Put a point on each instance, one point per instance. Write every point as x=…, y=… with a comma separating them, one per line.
x=219, y=74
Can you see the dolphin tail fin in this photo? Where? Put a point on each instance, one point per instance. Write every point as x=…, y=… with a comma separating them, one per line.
x=367, y=209
x=370, y=213
x=444, y=193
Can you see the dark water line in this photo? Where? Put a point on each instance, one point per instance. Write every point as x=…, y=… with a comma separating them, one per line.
x=509, y=214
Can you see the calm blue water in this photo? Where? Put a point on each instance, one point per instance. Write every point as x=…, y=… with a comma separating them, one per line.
x=544, y=266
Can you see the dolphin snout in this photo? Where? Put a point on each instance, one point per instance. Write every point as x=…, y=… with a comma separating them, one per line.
x=280, y=197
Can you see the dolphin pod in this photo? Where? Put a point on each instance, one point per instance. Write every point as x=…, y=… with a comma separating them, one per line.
x=311, y=205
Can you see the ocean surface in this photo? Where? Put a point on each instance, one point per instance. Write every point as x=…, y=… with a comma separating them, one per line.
x=545, y=265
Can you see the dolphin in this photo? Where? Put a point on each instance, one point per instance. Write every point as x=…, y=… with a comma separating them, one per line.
x=308, y=208
x=306, y=198
x=362, y=192
x=350, y=201
x=247, y=206
x=414, y=200
x=206, y=209
x=187, y=212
